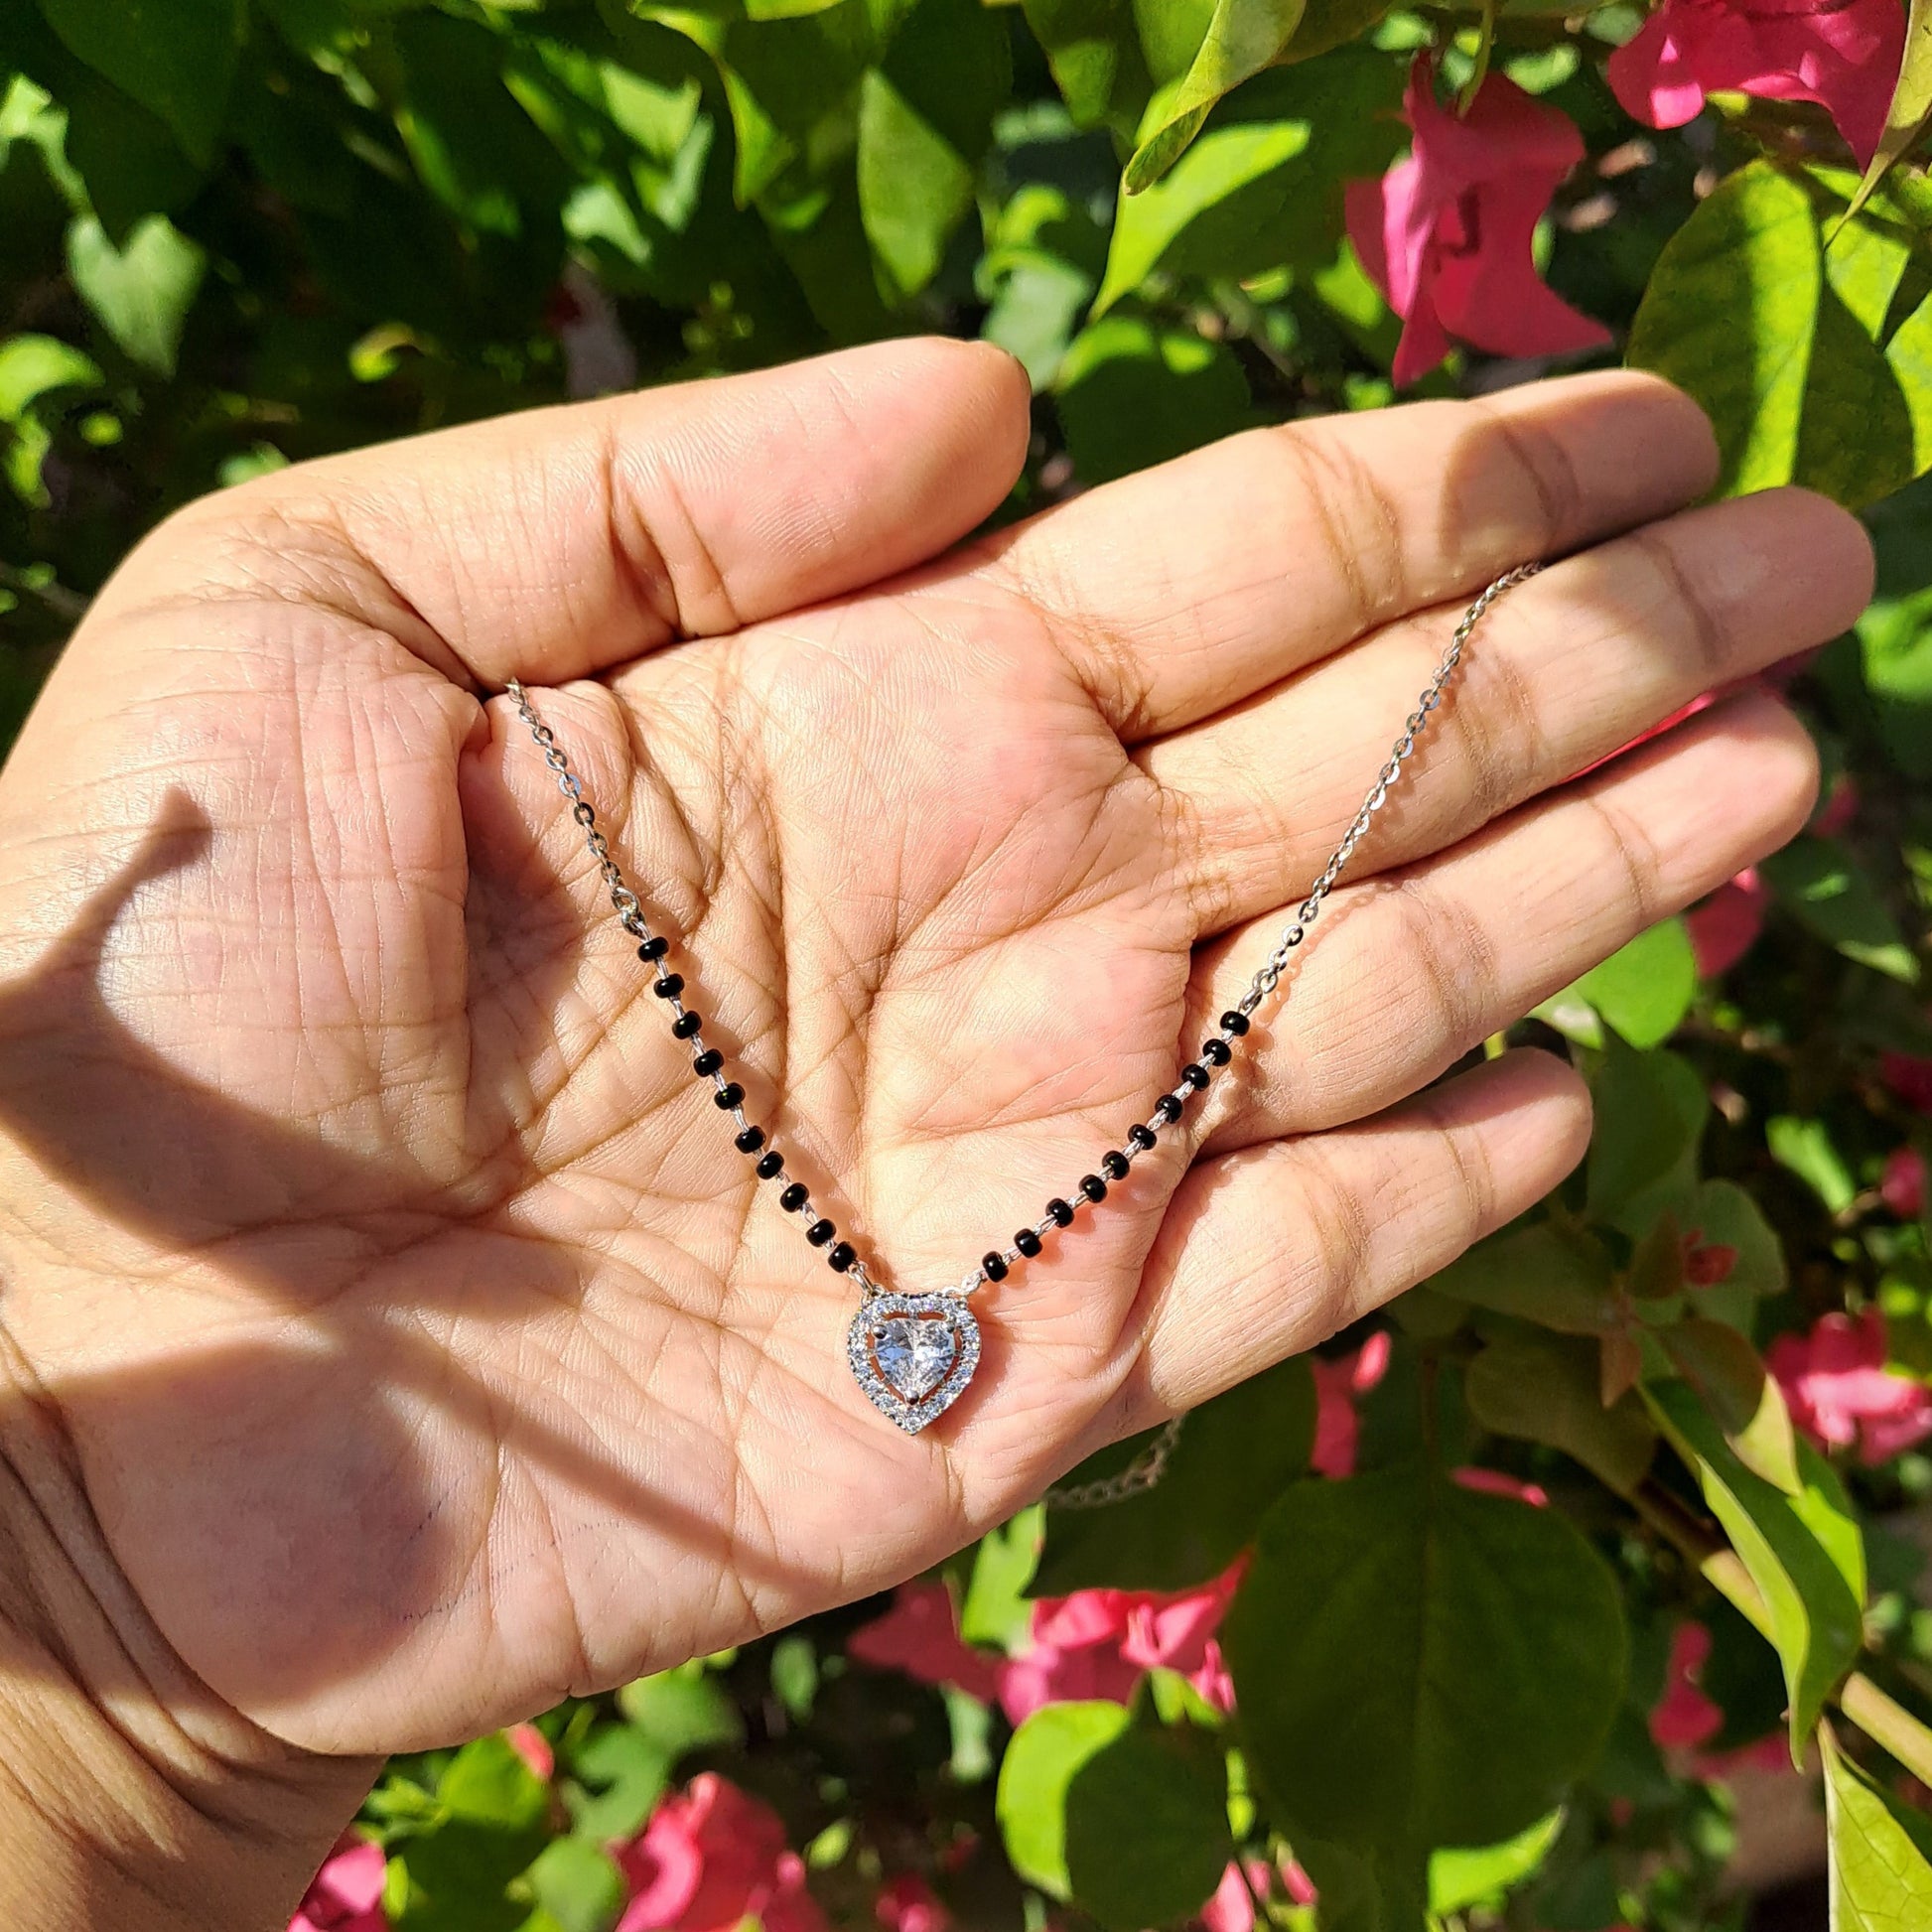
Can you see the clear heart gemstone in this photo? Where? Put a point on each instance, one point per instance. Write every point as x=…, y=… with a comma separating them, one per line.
x=914, y=1354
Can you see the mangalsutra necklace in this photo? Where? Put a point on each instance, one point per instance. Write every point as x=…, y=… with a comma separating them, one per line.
x=914, y=1354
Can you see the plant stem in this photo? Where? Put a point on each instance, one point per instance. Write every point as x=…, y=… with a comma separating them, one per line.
x=1886, y=1721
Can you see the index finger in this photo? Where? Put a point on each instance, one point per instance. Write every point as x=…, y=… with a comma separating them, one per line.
x=1187, y=587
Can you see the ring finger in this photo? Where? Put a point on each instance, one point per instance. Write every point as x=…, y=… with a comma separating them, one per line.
x=1406, y=973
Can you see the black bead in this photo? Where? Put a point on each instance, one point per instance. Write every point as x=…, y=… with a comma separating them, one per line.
x=1114, y=1166
x=685, y=1024
x=1167, y=1108
x=819, y=1233
x=1093, y=1186
x=1194, y=1075
x=770, y=1164
x=654, y=949
x=749, y=1141
x=843, y=1255
x=992, y=1266
x=727, y=1096
x=1140, y=1137
x=1217, y=1052
x=706, y=1064
x=1234, y=1023
x=1026, y=1241
x=1059, y=1212
x=794, y=1197
x=669, y=987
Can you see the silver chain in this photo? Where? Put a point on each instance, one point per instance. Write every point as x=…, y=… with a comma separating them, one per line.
x=1150, y=1464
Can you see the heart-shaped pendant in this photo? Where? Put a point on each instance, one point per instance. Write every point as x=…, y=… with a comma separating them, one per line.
x=914, y=1354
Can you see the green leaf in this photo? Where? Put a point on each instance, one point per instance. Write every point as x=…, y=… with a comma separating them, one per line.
x=1650, y=1115
x=1895, y=651
x=1725, y=1369
x=493, y=1822
x=924, y=119
x=1880, y=1879
x=914, y=187
x=1039, y=1763
x=1556, y=1275
x=1644, y=988
x=33, y=367
x=617, y=1776
x=1419, y=1666
x=129, y=159
x=791, y=84
x=1911, y=102
x=489, y=1783
x=1243, y=37
x=1095, y=56
x=682, y=1709
x=141, y=293
x=1147, y=1826
x=794, y=1675
x=1460, y=1879
x=1805, y=1146
x=1780, y=338
x=1823, y=884
x=578, y=1886
x=1234, y=1456
x=1132, y=392
x=176, y=58
x=1262, y=185
x=1804, y=1552
x=473, y=145
x=1543, y=1388
x=996, y=1609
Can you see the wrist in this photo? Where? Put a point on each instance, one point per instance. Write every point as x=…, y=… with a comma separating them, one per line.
x=129, y=1795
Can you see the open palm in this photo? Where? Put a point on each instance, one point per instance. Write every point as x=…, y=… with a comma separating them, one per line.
x=426, y=1349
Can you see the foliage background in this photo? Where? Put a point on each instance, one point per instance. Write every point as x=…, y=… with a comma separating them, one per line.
x=240, y=232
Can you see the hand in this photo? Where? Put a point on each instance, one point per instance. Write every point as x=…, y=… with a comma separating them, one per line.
x=421, y=1345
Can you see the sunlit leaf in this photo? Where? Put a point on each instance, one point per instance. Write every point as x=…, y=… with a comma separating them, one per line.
x=141, y=293
x=1243, y=37
x=1804, y=1552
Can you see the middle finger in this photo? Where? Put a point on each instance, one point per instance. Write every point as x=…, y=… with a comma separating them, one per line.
x=1562, y=672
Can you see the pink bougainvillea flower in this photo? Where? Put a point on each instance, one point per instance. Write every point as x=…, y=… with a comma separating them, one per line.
x=533, y=1747
x=1843, y=54
x=346, y=1893
x=1232, y=1908
x=1706, y=1263
x=908, y=1904
x=1684, y=1717
x=1445, y=234
x=1909, y=1075
x=919, y=1636
x=1493, y=1483
x=1099, y=1643
x=1902, y=1185
x=711, y=1856
x=1726, y=926
x=1337, y=1385
x=1841, y=1392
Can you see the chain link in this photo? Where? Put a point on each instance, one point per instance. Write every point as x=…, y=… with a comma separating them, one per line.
x=1139, y=1475
x=1150, y=1464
